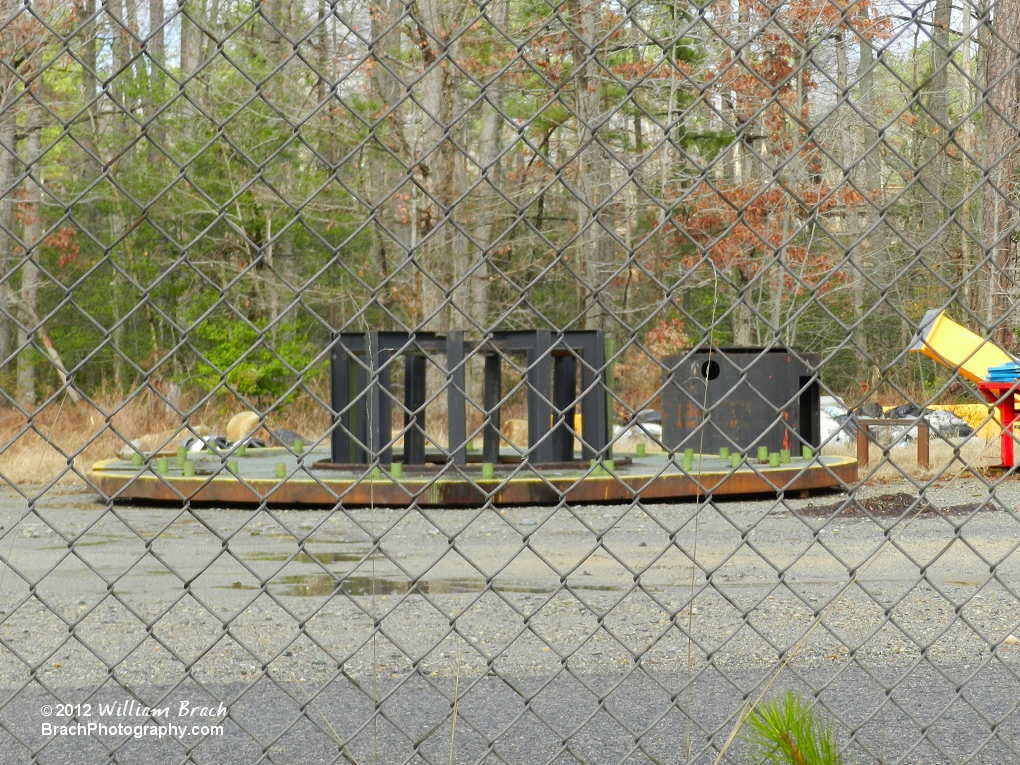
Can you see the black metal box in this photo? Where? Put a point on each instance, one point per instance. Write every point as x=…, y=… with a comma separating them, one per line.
x=741, y=398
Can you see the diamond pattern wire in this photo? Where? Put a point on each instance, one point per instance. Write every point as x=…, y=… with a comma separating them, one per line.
x=730, y=224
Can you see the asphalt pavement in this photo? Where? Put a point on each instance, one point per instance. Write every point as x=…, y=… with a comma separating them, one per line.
x=594, y=634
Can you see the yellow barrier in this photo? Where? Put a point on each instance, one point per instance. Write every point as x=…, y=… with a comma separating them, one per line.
x=957, y=347
x=977, y=416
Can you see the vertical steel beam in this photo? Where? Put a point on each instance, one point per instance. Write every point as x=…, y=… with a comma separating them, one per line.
x=539, y=383
x=414, y=409
x=359, y=410
x=455, y=384
x=594, y=416
x=379, y=427
x=491, y=395
x=564, y=403
x=340, y=402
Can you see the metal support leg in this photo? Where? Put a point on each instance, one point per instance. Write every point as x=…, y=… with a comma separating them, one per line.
x=340, y=398
x=564, y=401
x=863, y=445
x=492, y=392
x=359, y=411
x=539, y=382
x=923, y=445
x=594, y=422
x=414, y=410
x=455, y=384
x=379, y=405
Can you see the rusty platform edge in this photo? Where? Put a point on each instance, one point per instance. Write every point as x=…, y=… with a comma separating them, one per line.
x=456, y=492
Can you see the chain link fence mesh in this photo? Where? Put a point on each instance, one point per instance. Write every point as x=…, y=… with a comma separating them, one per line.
x=200, y=198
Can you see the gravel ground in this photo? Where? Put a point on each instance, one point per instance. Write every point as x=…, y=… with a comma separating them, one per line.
x=270, y=610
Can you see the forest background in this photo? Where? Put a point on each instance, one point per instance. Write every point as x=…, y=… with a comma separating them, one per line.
x=195, y=195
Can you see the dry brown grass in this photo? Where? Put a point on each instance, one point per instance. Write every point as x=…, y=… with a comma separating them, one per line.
x=38, y=451
x=946, y=463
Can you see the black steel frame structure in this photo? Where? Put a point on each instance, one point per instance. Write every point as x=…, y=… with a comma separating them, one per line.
x=563, y=372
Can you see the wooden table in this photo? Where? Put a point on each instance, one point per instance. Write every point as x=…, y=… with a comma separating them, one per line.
x=1003, y=396
x=864, y=425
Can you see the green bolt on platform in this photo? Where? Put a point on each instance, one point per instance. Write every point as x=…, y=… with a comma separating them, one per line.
x=735, y=460
x=241, y=450
x=806, y=452
x=298, y=445
x=689, y=453
x=162, y=465
x=488, y=470
x=182, y=456
x=232, y=466
x=610, y=466
x=774, y=459
x=687, y=461
x=189, y=469
x=784, y=456
x=137, y=460
x=640, y=450
x=763, y=454
x=375, y=475
x=724, y=452
x=397, y=470
x=281, y=470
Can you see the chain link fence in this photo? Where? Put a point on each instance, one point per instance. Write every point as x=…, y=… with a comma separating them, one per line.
x=392, y=320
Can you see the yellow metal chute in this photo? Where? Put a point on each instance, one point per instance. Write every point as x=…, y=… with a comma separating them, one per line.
x=957, y=347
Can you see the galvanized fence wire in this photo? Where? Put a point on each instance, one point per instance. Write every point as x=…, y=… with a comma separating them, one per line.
x=522, y=274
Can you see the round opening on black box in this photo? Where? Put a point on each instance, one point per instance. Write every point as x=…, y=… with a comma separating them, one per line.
x=710, y=370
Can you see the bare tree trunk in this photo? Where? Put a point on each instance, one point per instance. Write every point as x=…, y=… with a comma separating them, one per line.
x=936, y=175
x=938, y=101
x=595, y=246
x=191, y=37
x=460, y=311
x=8, y=170
x=119, y=47
x=1002, y=115
x=488, y=218
x=435, y=256
x=29, y=266
x=872, y=245
x=155, y=44
x=389, y=194
x=743, y=318
x=87, y=11
x=970, y=91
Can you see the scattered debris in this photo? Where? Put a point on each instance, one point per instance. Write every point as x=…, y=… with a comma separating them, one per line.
x=283, y=437
x=887, y=506
x=242, y=426
x=647, y=422
x=836, y=426
x=871, y=409
x=165, y=442
x=207, y=443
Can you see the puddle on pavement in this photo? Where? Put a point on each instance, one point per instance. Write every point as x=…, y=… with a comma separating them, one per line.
x=325, y=556
x=317, y=585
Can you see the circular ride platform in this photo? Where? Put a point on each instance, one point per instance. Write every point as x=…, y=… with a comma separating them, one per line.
x=655, y=478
